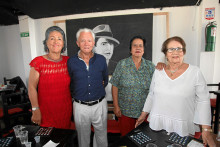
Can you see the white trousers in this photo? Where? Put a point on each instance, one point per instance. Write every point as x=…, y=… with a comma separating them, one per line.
x=84, y=117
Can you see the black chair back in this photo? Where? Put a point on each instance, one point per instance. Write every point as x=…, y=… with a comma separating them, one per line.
x=15, y=110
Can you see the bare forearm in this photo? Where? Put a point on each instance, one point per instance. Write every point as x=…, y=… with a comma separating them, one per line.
x=115, y=96
x=206, y=127
x=33, y=96
x=32, y=87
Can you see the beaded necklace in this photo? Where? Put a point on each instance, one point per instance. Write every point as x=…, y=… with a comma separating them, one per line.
x=58, y=60
x=175, y=70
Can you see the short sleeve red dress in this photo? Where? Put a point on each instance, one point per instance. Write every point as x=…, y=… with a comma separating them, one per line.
x=54, y=96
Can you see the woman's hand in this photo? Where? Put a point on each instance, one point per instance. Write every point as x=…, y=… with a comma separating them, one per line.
x=208, y=139
x=141, y=119
x=160, y=65
x=117, y=111
x=36, y=117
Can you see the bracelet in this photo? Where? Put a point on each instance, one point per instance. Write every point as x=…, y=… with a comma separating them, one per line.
x=35, y=108
x=206, y=130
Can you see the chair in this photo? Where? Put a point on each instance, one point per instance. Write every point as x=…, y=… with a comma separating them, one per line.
x=213, y=100
x=13, y=113
x=16, y=80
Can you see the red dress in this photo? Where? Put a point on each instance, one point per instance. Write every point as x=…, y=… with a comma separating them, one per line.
x=54, y=96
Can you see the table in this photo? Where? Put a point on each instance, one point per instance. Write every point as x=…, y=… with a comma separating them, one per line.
x=216, y=124
x=161, y=137
x=8, y=88
x=64, y=137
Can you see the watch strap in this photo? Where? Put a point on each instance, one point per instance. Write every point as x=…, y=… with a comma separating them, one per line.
x=206, y=130
x=35, y=108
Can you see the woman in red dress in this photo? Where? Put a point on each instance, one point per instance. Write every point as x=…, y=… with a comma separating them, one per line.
x=49, y=83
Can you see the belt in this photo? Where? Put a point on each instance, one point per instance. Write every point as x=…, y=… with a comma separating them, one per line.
x=91, y=103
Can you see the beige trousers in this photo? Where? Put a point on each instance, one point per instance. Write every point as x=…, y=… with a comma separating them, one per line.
x=84, y=117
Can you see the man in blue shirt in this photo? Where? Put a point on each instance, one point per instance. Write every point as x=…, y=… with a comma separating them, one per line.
x=89, y=77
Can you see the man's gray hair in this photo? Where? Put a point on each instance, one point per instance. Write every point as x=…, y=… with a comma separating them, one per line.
x=84, y=30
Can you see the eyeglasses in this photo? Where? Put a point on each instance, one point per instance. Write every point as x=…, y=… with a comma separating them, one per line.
x=136, y=45
x=178, y=49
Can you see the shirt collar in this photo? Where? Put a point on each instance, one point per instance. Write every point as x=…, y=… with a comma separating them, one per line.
x=78, y=54
x=130, y=63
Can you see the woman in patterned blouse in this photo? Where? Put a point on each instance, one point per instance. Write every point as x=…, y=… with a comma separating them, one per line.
x=130, y=84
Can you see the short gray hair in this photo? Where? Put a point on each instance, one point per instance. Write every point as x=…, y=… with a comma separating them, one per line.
x=47, y=33
x=84, y=30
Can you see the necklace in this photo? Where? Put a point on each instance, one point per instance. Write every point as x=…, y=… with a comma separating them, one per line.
x=175, y=70
x=49, y=58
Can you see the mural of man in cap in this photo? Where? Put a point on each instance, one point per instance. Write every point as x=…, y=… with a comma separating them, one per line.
x=105, y=44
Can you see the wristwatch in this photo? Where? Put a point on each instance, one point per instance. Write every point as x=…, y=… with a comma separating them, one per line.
x=35, y=108
x=206, y=130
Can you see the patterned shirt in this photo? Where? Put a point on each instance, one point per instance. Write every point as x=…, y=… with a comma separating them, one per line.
x=133, y=85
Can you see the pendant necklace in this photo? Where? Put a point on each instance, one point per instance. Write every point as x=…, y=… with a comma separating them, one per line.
x=49, y=58
x=173, y=71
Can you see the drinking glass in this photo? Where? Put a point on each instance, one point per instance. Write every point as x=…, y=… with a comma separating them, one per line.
x=27, y=144
x=17, y=130
x=24, y=137
x=218, y=136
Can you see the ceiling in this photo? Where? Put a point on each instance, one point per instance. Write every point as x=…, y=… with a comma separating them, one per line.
x=11, y=9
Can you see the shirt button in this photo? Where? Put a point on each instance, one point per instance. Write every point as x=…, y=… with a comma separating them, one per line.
x=89, y=84
x=88, y=76
x=89, y=93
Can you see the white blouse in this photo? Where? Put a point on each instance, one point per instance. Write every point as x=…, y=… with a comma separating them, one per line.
x=178, y=105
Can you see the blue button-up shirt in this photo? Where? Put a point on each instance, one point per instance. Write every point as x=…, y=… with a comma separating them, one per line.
x=87, y=85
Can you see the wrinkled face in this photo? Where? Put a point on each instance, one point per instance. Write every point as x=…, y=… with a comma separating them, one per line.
x=175, y=56
x=137, y=48
x=85, y=42
x=55, y=42
x=104, y=47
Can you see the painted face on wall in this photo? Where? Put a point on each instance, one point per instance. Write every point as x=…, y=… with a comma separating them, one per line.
x=104, y=47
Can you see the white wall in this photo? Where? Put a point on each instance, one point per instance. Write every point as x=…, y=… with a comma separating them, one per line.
x=209, y=61
x=3, y=58
x=216, y=76
x=11, y=58
x=177, y=27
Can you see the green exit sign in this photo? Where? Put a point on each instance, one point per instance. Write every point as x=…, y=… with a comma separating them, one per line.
x=24, y=34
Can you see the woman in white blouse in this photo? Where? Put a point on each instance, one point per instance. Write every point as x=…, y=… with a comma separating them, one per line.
x=178, y=100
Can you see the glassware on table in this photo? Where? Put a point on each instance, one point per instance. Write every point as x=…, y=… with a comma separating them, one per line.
x=218, y=135
x=37, y=139
x=17, y=129
x=27, y=144
x=23, y=137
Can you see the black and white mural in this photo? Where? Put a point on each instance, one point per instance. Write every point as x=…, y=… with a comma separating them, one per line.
x=113, y=35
